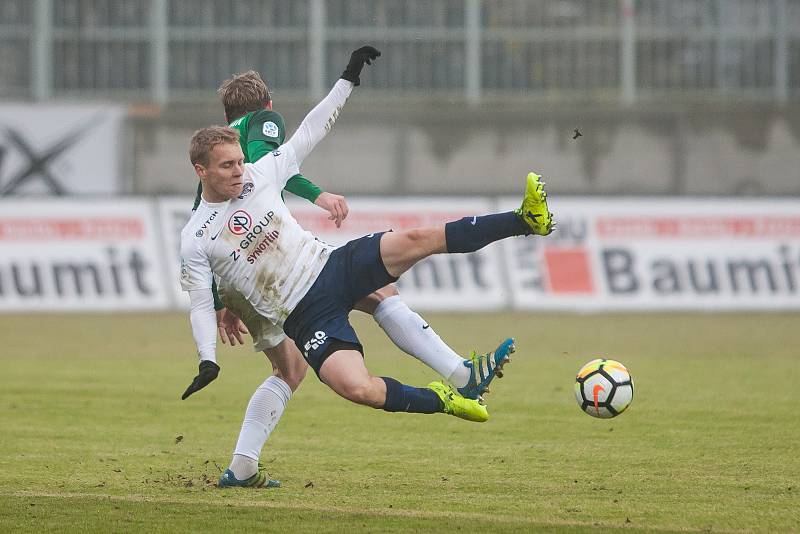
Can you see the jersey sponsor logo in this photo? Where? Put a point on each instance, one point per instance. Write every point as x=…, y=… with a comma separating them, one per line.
x=240, y=222
x=255, y=230
x=247, y=189
x=269, y=238
x=315, y=342
x=270, y=129
x=200, y=232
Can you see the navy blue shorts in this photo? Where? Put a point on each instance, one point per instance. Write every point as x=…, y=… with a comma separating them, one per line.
x=352, y=272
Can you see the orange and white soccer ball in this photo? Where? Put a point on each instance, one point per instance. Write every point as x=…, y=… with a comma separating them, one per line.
x=604, y=388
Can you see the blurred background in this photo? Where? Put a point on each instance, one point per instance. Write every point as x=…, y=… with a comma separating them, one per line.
x=689, y=109
x=672, y=97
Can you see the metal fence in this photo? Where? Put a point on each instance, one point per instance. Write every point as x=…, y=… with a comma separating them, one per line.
x=628, y=50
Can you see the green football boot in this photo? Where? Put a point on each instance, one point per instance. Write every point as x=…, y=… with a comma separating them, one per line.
x=259, y=480
x=455, y=404
x=484, y=368
x=534, y=207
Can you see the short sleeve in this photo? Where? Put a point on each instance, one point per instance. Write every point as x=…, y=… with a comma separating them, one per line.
x=195, y=268
x=267, y=126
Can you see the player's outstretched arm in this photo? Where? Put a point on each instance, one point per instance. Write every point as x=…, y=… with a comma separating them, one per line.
x=204, y=330
x=320, y=120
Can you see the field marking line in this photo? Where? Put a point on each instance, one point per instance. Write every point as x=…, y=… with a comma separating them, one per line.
x=383, y=512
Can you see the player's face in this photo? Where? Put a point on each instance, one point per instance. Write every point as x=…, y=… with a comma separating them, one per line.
x=223, y=177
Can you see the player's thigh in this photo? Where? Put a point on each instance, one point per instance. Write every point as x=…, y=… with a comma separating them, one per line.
x=401, y=250
x=370, y=303
x=264, y=333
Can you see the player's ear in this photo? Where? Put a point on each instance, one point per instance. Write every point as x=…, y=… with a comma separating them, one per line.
x=200, y=170
x=268, y=107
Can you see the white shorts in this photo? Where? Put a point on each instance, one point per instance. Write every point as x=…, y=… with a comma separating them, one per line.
x=264, y=333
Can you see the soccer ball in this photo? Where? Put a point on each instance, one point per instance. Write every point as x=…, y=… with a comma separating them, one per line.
x=604, y=388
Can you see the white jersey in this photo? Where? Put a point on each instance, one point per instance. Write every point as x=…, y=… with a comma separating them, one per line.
x=252, y=241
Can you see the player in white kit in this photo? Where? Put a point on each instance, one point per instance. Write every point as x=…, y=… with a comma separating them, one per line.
x=244, y=233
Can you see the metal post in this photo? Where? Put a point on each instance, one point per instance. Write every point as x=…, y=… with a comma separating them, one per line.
x=628, y=51
x=159, y=52
x=316, y=50
x=721, y=42
x=472, y=50
x=42, y=50
x=781, y=53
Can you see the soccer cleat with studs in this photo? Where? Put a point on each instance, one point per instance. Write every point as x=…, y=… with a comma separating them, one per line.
x=534, y=209
x=485, y=367
x=259, y=480
x=455, y=404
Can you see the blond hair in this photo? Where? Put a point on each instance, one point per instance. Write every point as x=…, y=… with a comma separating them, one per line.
x=243, y=93
x=204, y=141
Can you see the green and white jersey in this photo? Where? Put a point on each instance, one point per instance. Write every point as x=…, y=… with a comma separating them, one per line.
x=260, y=132
x=252, y=242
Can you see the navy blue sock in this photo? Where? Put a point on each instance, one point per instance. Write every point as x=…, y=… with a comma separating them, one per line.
x=403, y=398
x=473, y=233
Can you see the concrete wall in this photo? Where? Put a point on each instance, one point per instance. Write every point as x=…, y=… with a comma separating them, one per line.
x=448, y=148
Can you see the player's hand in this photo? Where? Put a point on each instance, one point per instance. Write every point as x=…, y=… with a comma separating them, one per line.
x=207, y=374
x=365, y=54
x=336, y=205
x=230, y=326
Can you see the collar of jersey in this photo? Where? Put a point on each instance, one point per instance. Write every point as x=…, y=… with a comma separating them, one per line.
x=213, y=204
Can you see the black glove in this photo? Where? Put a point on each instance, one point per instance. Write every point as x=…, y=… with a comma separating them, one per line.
x=365, y=54
x=208, y=372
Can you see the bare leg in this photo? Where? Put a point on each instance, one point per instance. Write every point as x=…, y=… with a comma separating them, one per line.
x=401, y=250
x=287, y=363
x=345, y=373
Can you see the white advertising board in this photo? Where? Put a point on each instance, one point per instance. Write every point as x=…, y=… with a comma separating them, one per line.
x=661, y=254
x=65, y=255
x=632, y=254
x=174, y=213
x=65, y=149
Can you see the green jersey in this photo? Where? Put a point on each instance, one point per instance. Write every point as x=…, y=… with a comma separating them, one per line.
x=261, y=132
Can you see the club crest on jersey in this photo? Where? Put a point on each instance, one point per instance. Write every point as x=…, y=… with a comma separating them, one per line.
x=240, y=222
x=247, y=189
x=270, y=129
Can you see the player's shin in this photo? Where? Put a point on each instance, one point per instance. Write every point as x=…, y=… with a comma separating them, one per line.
x=417, y=338
x=473, y=233
x=263, y=413
x=403, y=398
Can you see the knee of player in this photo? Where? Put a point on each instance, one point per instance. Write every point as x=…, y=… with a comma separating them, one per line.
x=416, y=236
x=293, y=374
x=364, y=393
x=385, y=292
x=371, y=302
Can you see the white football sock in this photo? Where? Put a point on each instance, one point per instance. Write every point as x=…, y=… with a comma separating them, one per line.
x=243, y=467
x=414, y=336
x=263, y=413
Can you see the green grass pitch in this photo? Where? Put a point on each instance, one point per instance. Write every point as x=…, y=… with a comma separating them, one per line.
x=95, y=439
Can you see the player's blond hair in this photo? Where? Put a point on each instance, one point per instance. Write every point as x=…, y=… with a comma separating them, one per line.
x=243, y=93
x=204, y=141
